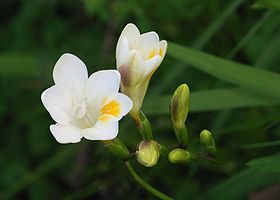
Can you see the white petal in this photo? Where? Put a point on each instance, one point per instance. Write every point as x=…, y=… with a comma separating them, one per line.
x=122, y=51
x=149, y=40
x=152, y=64
x=125, y=103
x=163, y=47
x=71, y=73
x=58, y=104
x=133, y=70
x=106, y=128
x=101, y=86
x=131, y=32
x=66, y=134
x=137, y=69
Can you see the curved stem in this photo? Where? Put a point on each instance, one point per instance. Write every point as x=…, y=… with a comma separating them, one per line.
x=143, y=126
x=144, y=184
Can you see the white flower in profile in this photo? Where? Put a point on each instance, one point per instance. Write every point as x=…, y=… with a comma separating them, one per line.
x=138, y=56
x=83, y=106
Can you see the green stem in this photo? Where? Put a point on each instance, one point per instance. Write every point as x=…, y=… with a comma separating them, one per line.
x=143, y=126
x=182, y=136
x=144, y=184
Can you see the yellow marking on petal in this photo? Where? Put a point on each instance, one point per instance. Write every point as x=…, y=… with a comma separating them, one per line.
x=161, y=52
x=112, y=108
x=104, y=118
x=152, y=53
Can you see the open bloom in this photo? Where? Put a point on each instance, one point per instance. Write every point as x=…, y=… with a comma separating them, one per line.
x=84, y=106
x=138, y=56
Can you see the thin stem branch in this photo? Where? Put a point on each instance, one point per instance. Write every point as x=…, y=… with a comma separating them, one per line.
x=144, y=184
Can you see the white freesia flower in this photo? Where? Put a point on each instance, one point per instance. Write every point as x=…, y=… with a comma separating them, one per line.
x=84, y=106
x=138, y=56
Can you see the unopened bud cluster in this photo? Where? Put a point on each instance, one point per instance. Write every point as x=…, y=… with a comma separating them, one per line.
x=179, y=108
x=137, y=63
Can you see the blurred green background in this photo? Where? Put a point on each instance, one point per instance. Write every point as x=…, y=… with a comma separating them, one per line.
x=245, y=123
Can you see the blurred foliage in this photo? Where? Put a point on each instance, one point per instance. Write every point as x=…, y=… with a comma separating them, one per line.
x=272, y=4
x=244, y=121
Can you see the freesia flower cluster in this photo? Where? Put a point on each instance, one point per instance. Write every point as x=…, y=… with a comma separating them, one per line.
x=91, y=106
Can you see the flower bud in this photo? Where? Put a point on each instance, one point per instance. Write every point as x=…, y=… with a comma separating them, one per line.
x=148, y=153
x=179, y=106
x=207, y=140
x=179, y=156
x=138, y=56
x=117, y=148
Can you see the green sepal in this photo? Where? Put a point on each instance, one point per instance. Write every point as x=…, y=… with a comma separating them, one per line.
x=182, y=136
x=144, y=126
x=117, y=148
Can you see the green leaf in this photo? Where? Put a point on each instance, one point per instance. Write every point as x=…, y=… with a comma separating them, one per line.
x=250, y=34
x=258, y=80
x=201, y=41
x=18, y=64
x=262, y=145
x=270, y=4
x=207, y=101
x=269, y=163
x=239, y=185
x=251, y=124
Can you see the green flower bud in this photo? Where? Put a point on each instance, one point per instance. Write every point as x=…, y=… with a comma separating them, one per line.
x=179, y=106
x=207, y=140
x=117, y=148
x=179, y=109
x=179, y=156
x=148, y=153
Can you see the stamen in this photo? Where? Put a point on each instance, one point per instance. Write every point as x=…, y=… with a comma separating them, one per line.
x=81, y=110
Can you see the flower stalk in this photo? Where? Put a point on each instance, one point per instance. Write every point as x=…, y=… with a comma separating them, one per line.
x=144, y=126
x=145, y=185
x=182, y=136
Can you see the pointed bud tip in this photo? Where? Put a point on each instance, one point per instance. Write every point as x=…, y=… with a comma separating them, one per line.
x=183, y=88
